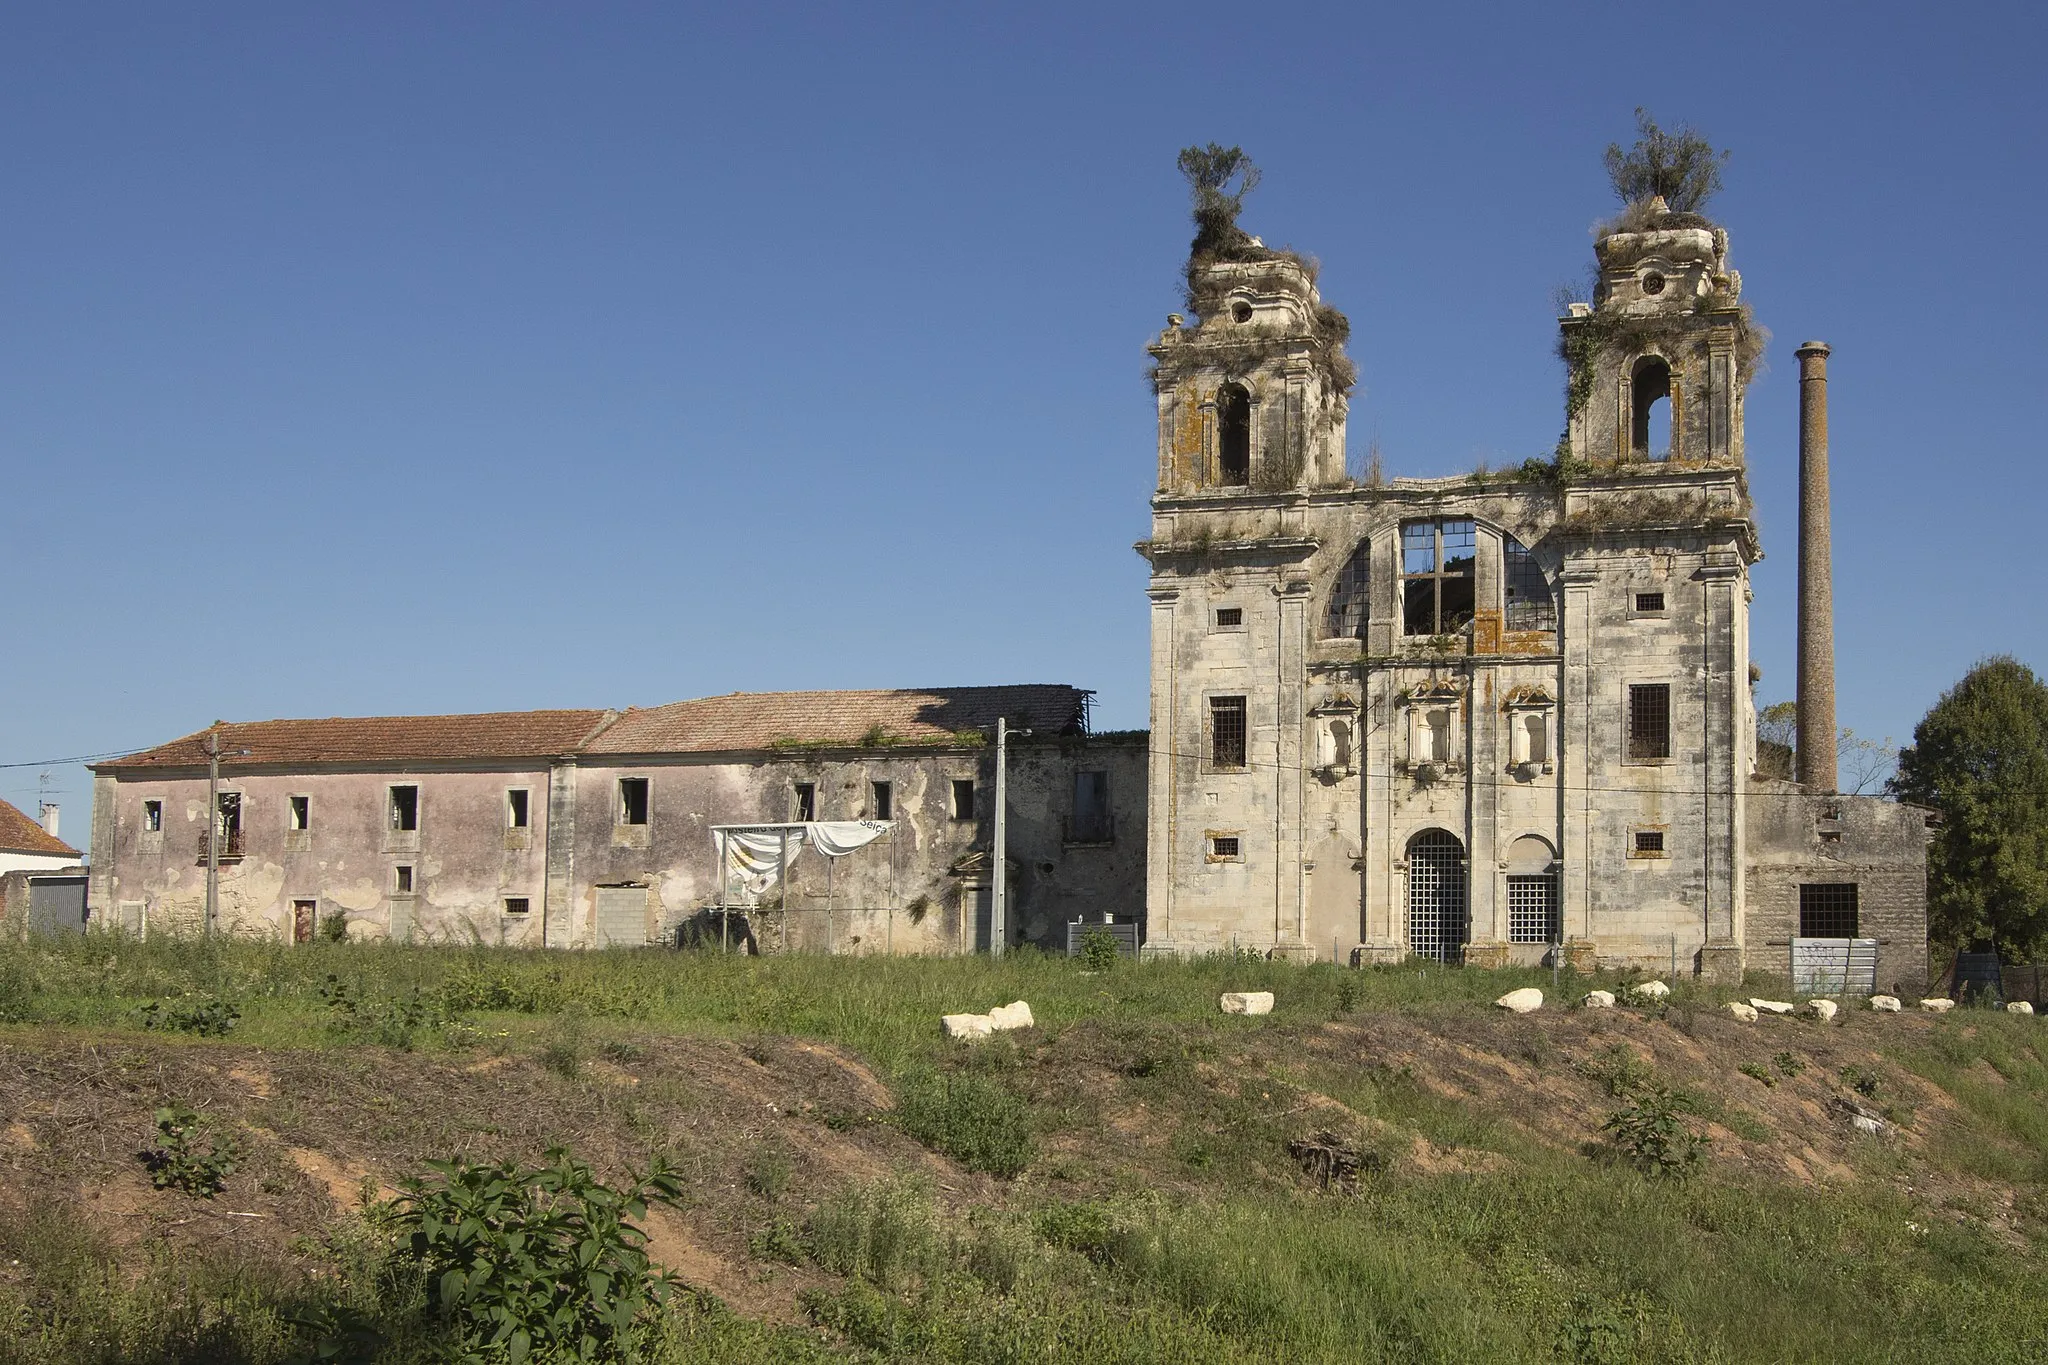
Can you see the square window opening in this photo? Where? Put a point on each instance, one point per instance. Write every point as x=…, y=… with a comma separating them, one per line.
x=632, y=800
x=1827, y=910
x=405, y=808
x=805, y=802
x=401, y=880
x=1227, y=732
x=299, y=814
x=1649, y=604
x=518, y=905
x=1649, y=841
x=963, y=798
x=1649, y=720
x=1229, y=618
x=1225, y=848
x=884, y=800
x=517, y=810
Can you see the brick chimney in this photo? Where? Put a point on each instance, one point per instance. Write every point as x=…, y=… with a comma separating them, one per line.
x=1816, y=578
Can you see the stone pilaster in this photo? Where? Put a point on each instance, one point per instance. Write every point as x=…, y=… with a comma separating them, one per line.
x=558, y=904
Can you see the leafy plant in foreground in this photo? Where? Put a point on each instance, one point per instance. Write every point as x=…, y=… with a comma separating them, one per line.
x=544, y=1261
x=970, y=1118
x=176, y=1163
x=204, y=1015
x=1650, y=1133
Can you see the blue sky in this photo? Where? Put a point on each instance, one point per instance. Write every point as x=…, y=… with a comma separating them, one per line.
x=427, y=357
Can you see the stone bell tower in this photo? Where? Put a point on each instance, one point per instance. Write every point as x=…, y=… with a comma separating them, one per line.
x=1252, y=393
x=1667, y=323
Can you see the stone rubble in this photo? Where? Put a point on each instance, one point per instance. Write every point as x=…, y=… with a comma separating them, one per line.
x=1886, y=1004
x=2020, y=1007
x=1599, y=1000
x=1770, y=1006
x=1527, y=1000
x=1247, y=1002
x=967, y=1027
x=1823, y=1010
x=1746, y=1013
x=1015, y=1015
x=1650, y=990
x=1937, y=1005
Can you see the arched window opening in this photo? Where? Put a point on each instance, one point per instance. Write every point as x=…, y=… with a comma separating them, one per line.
x=1350, y=604
x=1650, y=404
x=1233, y=436
x=1529, y=604
x=1436, y=896
x=1532, y=892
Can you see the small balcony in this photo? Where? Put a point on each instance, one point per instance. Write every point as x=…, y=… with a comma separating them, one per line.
x=230, y=847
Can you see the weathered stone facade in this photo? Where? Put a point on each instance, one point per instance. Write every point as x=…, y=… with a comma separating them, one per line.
x=527, y=847
x=1484, y=717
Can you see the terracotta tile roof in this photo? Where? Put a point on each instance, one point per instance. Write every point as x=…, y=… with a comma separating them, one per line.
x=379, y=739
x=744, y=721
x=19, y=834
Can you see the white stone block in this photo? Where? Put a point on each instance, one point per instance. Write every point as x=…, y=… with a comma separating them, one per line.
x=2020, y=1007
x=1524, y=1001
x=1746, y=1013
x=1649, y=990
x=1016, y=1015
x=1247, y=1002
x=967, y=1027
x=1599, y=1000
x=1823, y=1010
x=1886, y=1004
x=1937, y=1005
x=1770, y=1006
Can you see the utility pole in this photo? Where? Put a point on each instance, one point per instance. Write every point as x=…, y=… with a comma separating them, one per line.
x=212, y=828
x=999, y=888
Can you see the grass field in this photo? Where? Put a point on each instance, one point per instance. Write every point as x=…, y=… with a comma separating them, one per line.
x=1135, y=1179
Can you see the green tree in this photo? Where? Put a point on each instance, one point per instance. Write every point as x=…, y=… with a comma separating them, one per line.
x=1980, y=757
x=1210, y=171
x=1681, y=165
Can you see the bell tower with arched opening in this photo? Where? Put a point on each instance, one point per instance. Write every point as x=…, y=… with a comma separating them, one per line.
x=1659, y=360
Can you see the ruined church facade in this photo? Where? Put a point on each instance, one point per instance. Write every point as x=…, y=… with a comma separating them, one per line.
x=1484, y=718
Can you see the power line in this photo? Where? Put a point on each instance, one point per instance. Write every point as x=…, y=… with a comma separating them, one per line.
x=79, y=758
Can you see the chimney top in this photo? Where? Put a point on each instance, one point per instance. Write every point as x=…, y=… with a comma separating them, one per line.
x=1813, y=348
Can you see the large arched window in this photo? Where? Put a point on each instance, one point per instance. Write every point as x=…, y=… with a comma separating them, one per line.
x=1436, y=896
x=1350, y=605
x=1532, y=891
x=1650, y=409
x=1233, y=436
x=1528, y=603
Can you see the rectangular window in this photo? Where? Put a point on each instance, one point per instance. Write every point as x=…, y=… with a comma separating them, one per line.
x=1649, y=841
x=517, y=905
x=632, y=800
x=1225, y=848
x=1436, y=735
x=1226, y=732
x=299, y=813
x=1439, y=563
x=152, y=817
x=1532, y=909
x=1091, y=809
x=806, y=802
x=405, y=807
x=1827, y=910
x=401, y=880
x=1649, y=720
x=516, y=809
x=883, y=801
x=1529, y=739
x=963, y=798
x=1649, y=603
x=1229, y=618
x=1527, y=602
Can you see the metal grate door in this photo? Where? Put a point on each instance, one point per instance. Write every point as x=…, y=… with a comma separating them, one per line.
x=1436, y=897
x=1532, y=909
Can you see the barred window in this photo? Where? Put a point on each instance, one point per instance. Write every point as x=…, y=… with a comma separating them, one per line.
x=1827, y=910
x=1649, y=720
x=1438, y=559
x=1529, y=604
x=1649, y=841
x=1350, y=606
x=1532, y=909
x=1226, y=732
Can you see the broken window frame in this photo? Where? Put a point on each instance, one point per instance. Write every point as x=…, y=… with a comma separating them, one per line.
x=882, y=800
x=1233, y=436
x=803, y=802
x=1229, y=733
x=402, y=807
x=298, y=814
x=518, y=808
x=153, y=817
x=1649, y=722
x=636, y=801
x=960, y=798
x=1527, y=600
x=1350, y=610
x=404, y=882
x=1089, y=821
x=1455, y=577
